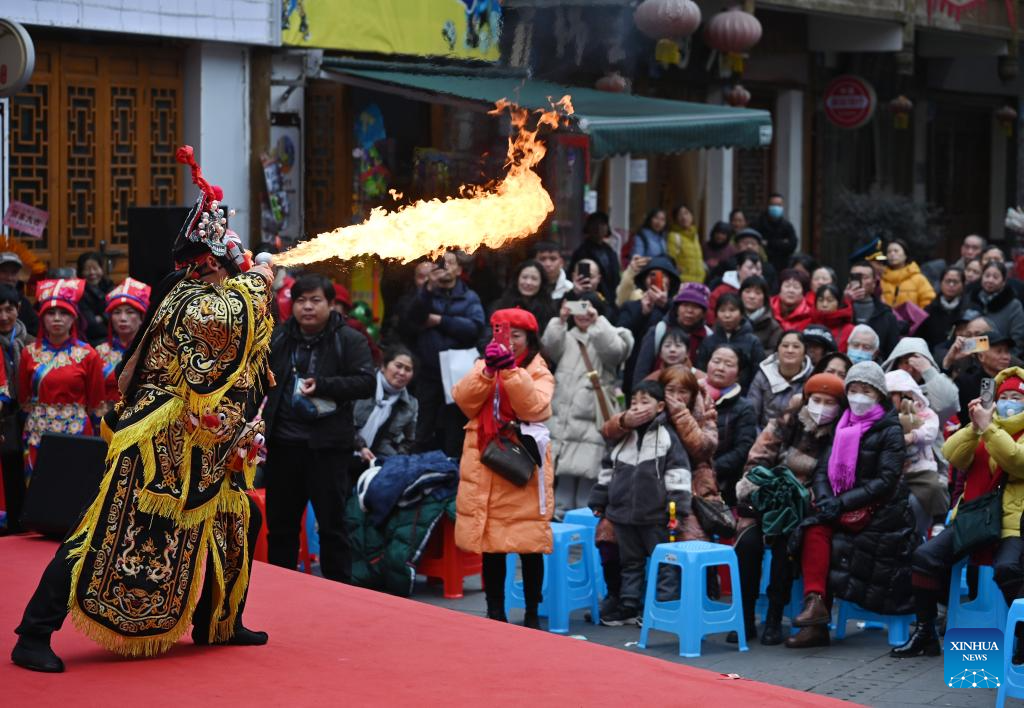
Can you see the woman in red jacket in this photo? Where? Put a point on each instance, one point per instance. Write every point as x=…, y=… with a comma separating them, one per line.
x=790, y=306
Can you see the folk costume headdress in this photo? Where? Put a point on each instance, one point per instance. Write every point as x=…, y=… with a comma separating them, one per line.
x=131, y=292
x=206, y=231
x=60, y=293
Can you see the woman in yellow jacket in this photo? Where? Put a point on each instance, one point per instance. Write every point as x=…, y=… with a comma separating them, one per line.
x=684, y=246
x=902, y=280
x=495, y=516
x=990, y=448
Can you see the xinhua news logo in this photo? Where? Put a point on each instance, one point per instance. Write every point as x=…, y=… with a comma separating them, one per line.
x=973, y=658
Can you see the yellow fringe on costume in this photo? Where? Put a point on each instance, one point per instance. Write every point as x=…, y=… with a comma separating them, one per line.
x=187, y=401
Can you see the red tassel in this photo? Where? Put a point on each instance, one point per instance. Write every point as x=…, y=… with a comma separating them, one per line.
x=186, y=156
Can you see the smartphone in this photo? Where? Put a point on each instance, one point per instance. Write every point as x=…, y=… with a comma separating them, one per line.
x=973, y=345
x=576, y=307
x=583, y=268
x=659, y=279
x=988, y=392
x=503, y=335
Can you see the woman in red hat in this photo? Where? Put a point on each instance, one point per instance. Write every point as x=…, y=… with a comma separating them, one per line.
x=511, y=384
x=126, y=308
x=60, y=377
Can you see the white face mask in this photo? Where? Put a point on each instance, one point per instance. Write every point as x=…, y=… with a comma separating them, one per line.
x=822, y=413
x=861, y=403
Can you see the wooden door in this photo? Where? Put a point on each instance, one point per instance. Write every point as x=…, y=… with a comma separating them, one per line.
x=93, y=134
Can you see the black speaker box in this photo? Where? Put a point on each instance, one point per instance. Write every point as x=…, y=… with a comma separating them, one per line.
x=151, y=234
x=65, y=480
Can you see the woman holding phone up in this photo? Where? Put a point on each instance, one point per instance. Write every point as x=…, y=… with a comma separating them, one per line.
x=495, y=516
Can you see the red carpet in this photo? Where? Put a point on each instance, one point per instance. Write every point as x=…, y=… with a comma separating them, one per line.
x=337, y=645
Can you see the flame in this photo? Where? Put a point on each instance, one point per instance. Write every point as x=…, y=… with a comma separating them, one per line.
x=512, y=208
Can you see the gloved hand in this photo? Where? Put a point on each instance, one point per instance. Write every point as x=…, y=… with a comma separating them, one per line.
x=497, y=357
x=828, y=509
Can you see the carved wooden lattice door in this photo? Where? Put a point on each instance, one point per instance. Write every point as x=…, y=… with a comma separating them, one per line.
x=93, y=134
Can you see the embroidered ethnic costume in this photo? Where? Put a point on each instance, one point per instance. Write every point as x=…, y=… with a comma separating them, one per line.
x=168, y=498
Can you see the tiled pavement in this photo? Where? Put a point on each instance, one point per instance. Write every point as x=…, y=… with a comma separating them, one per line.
x=856, y=669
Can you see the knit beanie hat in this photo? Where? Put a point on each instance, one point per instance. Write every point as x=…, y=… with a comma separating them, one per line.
x=695, y=293
x=1010, y=383
x=867, y=372
x=828, y=384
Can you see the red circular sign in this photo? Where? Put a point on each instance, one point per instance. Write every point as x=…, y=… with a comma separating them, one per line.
x=850, y=101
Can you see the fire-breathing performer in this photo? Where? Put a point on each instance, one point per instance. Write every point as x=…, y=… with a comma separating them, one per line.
x=183, y=442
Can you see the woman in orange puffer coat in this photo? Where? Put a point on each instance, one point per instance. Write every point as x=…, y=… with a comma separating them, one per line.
x=495, y=516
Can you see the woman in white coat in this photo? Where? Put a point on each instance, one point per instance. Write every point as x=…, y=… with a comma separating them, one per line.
x=577, y=416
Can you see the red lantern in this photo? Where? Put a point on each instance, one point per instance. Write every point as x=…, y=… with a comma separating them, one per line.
x=667, y=19
x=612, y=83
x=1007, y=118
x=737, y=96
x=732, y=33
x=901, y=106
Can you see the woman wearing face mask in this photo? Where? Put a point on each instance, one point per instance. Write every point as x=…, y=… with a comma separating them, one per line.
x=757, y=307
x=830, y=310
x=858, y=543
x=945, y=310
x=789, y=307
x=902, y=280
x=577, y=414
x=989, y=448
x=531, y=291
x=998, y=303
x=778, y=378
x=795, y=441
x=386, y=423
x=929, y=494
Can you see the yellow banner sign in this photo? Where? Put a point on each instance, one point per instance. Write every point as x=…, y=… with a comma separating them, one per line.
x=462, y=29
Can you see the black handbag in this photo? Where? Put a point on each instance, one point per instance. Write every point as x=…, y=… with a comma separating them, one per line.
x=714, y=517
x=978, y=523
x=505, y=455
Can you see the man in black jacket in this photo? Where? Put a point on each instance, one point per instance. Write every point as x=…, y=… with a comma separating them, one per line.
x=779, y=234
x=862, y=293
x=317, y=359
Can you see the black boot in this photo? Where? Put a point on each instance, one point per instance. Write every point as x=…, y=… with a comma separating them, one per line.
x=243, y=637
x=923, y=642
x=496, y=609
x=35, y=654
x=771, y=635
x=531, y=620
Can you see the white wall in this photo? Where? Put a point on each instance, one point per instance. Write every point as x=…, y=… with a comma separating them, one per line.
x=239, y=21
x=217, y=123
x=789, y=155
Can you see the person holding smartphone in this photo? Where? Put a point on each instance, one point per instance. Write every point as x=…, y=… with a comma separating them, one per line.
x=862, y=292
x=511, y=385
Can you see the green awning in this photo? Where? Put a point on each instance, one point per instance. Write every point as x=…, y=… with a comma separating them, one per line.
x=616, y=123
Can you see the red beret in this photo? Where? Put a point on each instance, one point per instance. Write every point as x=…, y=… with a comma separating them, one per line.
x=516, y=318
x=829, y=384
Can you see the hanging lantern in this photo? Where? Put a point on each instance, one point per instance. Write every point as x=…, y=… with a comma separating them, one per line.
x=732, y=33
x=901, y=106
x=612, y=82
x=737, y=96
x=667, y=19
x=1007, y=118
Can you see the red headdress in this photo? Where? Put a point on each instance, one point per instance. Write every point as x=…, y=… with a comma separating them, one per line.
x=131, y=292
x=62, y=293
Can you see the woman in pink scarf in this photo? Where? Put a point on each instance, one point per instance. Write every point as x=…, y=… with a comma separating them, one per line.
x=858, y=542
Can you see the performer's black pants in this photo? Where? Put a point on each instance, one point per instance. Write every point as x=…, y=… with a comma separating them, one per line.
x=295, y=475
x=48, y=607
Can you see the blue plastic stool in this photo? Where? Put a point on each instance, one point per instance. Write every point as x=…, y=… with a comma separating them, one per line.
x=988, y=609
x=1012, y=685
x=311, y=533
x=898, y=625
x=694, y=614
x=567, y=586
x=585, y=517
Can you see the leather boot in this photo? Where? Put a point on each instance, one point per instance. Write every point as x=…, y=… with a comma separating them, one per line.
x=923, y=642
x=772, y=633
x=243, y=637
x=811, y=636
x=35, y=654
x=815, y=612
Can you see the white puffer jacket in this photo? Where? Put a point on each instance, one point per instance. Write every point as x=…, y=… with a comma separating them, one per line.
x=575, y=424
